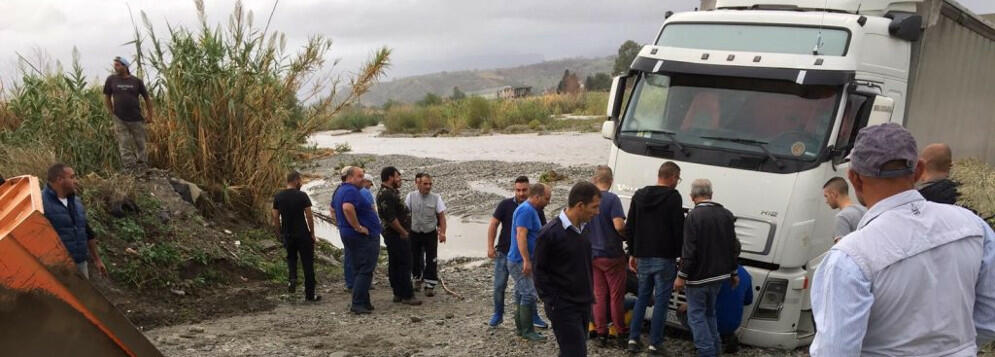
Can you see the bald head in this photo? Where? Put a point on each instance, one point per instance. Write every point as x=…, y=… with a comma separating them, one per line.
x=938, y=159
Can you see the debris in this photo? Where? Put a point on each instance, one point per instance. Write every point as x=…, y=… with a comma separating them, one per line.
x=178, y=292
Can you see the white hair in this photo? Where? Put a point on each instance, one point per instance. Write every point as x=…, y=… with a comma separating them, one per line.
x=701, y=188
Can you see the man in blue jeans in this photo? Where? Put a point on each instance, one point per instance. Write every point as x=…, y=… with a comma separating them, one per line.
x=499, y=253
x=360, y=229
x=709, y=258
x=347, y=273
x=527, y=226
x=654, y=233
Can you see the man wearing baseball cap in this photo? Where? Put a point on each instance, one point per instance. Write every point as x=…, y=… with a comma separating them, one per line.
x=916, y=278
x=121, y=92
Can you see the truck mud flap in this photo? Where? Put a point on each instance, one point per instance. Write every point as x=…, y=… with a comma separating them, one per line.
x=47, y=308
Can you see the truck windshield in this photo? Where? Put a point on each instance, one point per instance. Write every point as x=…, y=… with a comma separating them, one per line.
x=708, y=112
x=756, y=38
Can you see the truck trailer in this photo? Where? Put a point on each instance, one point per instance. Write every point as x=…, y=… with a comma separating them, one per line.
x=765, y=99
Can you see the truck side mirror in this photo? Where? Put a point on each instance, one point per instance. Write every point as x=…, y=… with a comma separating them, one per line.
x=608, y=129
x=881, y=110
x=615, y=97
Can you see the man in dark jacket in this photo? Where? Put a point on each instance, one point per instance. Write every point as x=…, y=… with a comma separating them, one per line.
x=294, y=224
x=65, y=212
x=654, y=237
x=935, y=184
x=396, y=220
x=709, y=258
x=563, y=269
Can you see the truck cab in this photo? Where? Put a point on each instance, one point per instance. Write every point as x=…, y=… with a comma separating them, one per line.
x=763, y=98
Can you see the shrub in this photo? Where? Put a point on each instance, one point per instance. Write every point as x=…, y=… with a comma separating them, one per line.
x=478, y=111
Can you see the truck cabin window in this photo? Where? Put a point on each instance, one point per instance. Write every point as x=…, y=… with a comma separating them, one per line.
x=786, y=39
x=749, y=115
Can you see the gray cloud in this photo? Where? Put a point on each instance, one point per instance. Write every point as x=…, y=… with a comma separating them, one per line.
x=426, y=35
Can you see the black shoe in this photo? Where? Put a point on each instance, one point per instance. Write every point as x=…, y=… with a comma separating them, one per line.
x=315, y=298
x=604, y=341
x=411, y=301
x=292, y=287
x=370, y=307
x=634, y=346
x=592, y=334
x=622, y=341
x=397, y=299
x=360, y=310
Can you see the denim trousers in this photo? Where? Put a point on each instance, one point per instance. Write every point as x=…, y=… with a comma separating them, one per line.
x=658, y=273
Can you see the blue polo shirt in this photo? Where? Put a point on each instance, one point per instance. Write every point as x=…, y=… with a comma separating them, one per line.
x=605, y=240
x=349, y=193
x=729, y=303
x=525, y=216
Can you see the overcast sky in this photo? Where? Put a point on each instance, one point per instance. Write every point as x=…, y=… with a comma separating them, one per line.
x=426, y=35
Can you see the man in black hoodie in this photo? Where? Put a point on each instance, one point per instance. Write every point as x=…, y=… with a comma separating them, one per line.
x=709, y=257
x=654, y=237
x=935, y=184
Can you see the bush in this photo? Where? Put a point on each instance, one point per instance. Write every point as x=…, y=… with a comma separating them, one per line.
x=354, y=119
x=478, y=112
x=402, y=119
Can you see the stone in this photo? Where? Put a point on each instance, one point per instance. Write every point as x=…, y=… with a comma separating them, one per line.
x=415, y=319
x=197, y=329
x=340, y=354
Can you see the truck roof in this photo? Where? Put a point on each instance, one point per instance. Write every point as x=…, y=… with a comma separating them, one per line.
x=867, y=7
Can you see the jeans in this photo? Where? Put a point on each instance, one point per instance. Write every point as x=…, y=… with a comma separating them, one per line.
x=365, y=251
x=570, y=327
x=500, y=280
x=425, y=248
x=399, y=264
x=347, y=271
x=702, y=318
x=525, y=289
x=304, y=247
x=658, y=272
x=609, y=293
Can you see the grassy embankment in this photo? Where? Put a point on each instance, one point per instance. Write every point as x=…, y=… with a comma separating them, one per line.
x=229, y=117
x=476, y=115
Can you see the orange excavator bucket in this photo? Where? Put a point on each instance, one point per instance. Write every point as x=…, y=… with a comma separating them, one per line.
x=47, y=308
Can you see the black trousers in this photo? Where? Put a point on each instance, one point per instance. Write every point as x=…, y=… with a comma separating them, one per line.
x=425, y=249
x=570, y=327
x=399, y=264
x=304, y=247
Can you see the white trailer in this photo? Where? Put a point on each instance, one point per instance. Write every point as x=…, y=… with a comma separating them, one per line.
x=765, y=97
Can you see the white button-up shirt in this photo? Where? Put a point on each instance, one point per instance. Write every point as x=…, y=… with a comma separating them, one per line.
x=915, y=279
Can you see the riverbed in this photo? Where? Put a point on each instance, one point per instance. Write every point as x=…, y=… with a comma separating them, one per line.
x=472, y=174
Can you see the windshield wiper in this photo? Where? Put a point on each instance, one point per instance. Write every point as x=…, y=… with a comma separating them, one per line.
x=670, y=135
x=761, y=144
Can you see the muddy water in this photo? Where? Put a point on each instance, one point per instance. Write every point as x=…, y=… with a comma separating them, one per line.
x=467, y=235
x=560, y=148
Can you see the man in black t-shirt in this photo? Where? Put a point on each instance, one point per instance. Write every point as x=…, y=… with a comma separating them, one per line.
x=121, y=92
x=295, y=228
x=499, y=253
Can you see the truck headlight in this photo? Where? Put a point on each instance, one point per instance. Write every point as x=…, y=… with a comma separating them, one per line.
x=772, y=300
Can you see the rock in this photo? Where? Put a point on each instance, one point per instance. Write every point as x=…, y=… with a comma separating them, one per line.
x=131, y=251
x=228, y=232
x=440, y=322
x=450, y=316
x=178, y=292
x=197, y=329
x=164, y=216
x=188, y=191
x=340, y=354
x=416, y=319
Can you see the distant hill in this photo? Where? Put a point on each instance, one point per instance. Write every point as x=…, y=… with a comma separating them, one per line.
x=540, y=76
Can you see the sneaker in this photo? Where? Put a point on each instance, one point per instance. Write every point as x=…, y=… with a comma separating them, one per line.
x=429, y=291
x=634, y=346
x=316, y=298
x=657, y=350
x=360, y=310
x=411, y=301
x=538, y=322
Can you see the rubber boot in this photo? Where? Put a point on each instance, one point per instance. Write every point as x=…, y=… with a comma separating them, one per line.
x=528, y=331
x=518, y=320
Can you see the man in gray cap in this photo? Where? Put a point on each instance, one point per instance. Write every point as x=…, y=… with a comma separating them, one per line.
x=916, y=278
x=121, y=91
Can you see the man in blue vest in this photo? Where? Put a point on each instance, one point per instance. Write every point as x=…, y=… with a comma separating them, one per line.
x=66, y=214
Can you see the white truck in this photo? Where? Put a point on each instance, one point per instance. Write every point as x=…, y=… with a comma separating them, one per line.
x=765, y=97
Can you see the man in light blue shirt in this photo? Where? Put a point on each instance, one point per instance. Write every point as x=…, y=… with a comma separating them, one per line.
x=523, y=241
x=916, y=278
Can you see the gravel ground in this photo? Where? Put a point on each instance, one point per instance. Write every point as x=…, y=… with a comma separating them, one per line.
x=444, y=326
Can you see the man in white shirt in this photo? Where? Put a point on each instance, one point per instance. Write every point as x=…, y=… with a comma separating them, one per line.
x=916, y=278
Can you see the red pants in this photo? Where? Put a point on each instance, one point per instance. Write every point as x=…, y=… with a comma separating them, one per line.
x=609, y=290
